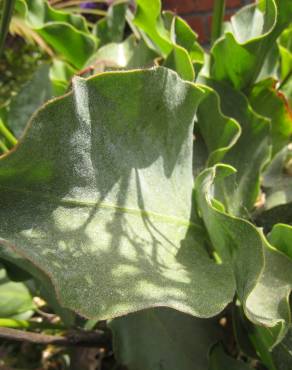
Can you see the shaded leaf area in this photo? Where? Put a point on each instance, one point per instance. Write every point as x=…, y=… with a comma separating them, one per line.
x=49, y=24
x=84, y=207
x=240, y=54
x=164, y=339
x=276, y=184
x=219, y=360
x=263, y=275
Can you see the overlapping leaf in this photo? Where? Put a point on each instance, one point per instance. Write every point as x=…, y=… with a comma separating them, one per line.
x=263, y=275
x=240, y=54
x=239, y=191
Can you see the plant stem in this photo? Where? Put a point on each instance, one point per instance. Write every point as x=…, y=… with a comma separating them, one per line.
x=67, y=4
x=25, y=324
x=87, y=11
x=73, y=338
x=7, y=134
x=3, y=147
x=217, y=20
x=7, y=10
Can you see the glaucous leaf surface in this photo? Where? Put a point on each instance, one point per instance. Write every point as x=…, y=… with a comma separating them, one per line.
x=99, y=194
x=164, y=339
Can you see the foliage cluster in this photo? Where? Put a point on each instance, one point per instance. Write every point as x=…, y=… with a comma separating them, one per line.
x=147, y=182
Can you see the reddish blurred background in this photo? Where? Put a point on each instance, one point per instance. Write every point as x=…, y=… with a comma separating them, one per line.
x=198, y=13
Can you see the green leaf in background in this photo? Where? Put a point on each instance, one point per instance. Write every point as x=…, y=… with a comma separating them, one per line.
x=80, y=198
x=148, y=19
x=281, y=238
x=285, y=44
x=263, y=275
x=180, y=61
x=20, y=267
x=31, y=96
x=183, y=35
x=61, y=74
x=239, y=56
x=50, y=24
x=15, y=298
x=219, y=360
x=248, y=154
x=110, y=29
x=127, y=54
x=268, y=102
x=163, y=339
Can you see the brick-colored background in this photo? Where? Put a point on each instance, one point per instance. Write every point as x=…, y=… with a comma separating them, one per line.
x=198, y=13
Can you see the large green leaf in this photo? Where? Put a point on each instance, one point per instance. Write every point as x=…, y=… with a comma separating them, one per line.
x=240, y=54
x=99, y=195
x=263, y=274
x=76, y=44
x=163, y=339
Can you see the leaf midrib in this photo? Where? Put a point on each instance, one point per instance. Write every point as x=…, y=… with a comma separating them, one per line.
x=104, y=205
